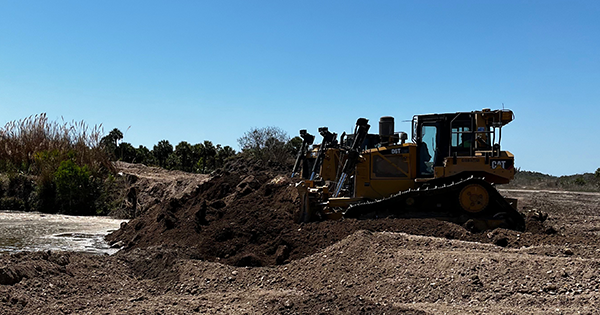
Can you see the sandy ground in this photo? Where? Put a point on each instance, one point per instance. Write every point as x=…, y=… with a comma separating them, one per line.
x=553, y=269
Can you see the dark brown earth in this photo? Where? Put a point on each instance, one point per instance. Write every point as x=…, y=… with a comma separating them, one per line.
x=227, y=244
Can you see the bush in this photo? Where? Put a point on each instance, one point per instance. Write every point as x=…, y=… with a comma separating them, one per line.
x=266, y=144
x=12, y=203
x=15, y=191
x=74, y=189
x=45, y=196
x=580, y=181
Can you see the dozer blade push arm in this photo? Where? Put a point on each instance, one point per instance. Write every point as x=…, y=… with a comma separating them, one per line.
x=307, y=141
x=360, y=132
x=328, y=142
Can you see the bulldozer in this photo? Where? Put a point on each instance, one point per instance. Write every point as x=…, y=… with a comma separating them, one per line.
x=448, y=171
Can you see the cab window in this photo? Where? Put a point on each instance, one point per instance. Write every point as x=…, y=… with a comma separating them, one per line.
x=458, y=136
x=427, y=150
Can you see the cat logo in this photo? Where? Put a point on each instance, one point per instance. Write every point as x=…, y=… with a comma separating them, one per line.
x=496, y=164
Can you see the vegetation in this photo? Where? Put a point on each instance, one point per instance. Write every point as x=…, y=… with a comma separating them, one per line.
x=196, y=158
x=269, y=144
x=52, y=166
x=578, y=182
x=264, y=144
x=66, y=167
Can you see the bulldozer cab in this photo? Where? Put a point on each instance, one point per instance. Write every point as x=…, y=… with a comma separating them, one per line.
x=463, y=134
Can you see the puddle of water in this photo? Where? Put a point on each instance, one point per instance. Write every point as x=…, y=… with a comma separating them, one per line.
x=34, y=231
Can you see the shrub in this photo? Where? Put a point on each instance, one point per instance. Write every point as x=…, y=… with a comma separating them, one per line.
x=266, y=144
x=12, y=203
x=45, y=196
x=76, y=190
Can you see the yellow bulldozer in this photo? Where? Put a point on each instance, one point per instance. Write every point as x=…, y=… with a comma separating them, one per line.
x=448, y=171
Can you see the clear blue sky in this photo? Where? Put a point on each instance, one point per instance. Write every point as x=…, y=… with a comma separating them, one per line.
x=211, y=70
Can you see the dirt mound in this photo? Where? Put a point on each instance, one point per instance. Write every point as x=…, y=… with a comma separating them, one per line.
x=146, y=186
x=240, y=210
x=31, y=266
x=243, y=216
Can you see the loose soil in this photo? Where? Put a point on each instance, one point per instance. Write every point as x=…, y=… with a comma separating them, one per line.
x=227, y=244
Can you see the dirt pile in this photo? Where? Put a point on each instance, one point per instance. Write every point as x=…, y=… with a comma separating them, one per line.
x=38, y=264
x=146, y=186
x=243, y=216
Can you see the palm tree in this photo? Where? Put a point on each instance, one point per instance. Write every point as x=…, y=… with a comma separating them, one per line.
x=162, y=151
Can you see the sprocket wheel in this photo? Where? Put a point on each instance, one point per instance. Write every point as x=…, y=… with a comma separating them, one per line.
x=474, y=198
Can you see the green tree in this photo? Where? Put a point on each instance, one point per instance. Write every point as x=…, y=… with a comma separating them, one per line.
x=144, y=155
x=209, y=154
x=197, y=157
x=161, y=151
x=597, y=174
x=110, y=142
x=126, y=152
x=173, y=162
x=294, y=145
x=184, y=153
x=223, y=154
x=116, y=135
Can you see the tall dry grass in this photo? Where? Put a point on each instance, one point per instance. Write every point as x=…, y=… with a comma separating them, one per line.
x=37, y=146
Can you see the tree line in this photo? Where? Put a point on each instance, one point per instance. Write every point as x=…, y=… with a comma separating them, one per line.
x=264, y=144
x=196, y=158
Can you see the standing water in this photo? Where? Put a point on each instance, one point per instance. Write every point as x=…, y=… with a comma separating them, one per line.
x=34, y=231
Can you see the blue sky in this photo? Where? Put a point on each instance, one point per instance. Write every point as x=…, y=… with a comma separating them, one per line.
x=211, y=70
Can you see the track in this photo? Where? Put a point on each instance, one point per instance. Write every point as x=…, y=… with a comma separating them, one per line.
x=446, y=202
